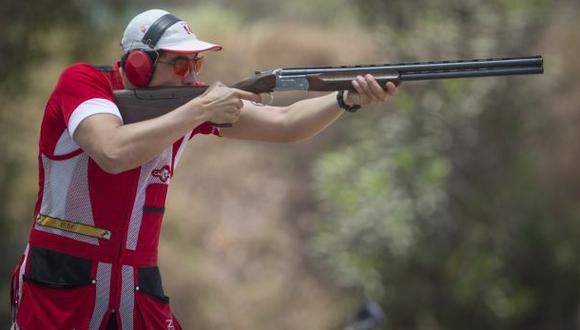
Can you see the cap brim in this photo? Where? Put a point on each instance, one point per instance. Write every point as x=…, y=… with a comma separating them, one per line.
x=190, y=46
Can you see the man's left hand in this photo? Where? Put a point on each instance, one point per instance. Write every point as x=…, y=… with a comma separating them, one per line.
x=368, y=91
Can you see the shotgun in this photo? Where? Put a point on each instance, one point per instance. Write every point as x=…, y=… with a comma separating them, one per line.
x=146, y=103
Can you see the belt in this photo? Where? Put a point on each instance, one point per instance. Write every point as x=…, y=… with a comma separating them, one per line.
x=73, y=227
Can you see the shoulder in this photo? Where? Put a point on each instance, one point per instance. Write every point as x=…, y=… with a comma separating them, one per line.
x=82, y=84
x=80, y=70
x=82, y=80
x=83, y=74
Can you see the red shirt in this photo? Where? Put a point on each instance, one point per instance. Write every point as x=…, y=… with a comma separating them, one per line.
x=74, y=188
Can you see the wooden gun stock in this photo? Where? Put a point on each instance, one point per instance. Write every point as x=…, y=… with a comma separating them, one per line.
x=141, y=104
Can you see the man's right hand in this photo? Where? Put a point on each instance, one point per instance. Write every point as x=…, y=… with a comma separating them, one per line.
x=222, y=104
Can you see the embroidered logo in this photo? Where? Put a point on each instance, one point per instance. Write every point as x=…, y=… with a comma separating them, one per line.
x=187, y=28
x=162, y=173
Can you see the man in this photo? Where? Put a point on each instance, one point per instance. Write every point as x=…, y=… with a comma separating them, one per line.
x=91, y=261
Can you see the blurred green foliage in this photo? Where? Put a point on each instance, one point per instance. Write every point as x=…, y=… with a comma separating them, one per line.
x=34, y=29
x=436, y=209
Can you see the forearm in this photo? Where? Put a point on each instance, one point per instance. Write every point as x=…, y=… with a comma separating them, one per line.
x=306, y=118
x=117, y=148
x=319, y=113
x=309, y=117
x=292, y=123
x=142, y=142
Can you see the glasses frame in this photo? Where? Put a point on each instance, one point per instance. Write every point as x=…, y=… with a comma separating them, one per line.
x=193, y=64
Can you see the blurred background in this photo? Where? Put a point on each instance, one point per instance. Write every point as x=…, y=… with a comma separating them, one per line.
x=456, y=205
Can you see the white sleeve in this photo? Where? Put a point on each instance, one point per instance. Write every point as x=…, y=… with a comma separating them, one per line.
x=89, y=108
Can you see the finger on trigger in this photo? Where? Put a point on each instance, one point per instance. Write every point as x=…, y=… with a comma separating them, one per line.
x=249, y=96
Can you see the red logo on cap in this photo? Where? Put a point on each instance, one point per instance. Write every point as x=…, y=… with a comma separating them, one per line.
x=187, y=28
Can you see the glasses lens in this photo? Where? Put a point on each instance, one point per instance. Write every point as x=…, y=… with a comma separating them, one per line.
x=182, y=66
x=197, y=64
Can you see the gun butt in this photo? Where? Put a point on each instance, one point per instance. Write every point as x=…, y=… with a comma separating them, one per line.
x=137, y=105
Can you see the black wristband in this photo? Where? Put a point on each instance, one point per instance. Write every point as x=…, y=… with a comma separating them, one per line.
x=343, y=105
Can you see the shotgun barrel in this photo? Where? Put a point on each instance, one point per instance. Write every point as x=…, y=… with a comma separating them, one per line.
x=340, y=77
x=475, y=64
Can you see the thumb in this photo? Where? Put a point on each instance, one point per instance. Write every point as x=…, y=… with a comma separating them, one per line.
x=212, y=87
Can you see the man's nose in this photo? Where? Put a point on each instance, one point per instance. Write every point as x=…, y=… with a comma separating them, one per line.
x=190, y=78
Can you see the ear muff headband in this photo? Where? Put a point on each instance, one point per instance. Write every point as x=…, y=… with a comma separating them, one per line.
x=156, y=30
x=139, y=64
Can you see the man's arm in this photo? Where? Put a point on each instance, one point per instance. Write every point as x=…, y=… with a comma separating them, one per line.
x=303, y=119
x=117, y=147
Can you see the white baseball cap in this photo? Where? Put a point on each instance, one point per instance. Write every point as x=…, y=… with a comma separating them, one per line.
x=177, y=38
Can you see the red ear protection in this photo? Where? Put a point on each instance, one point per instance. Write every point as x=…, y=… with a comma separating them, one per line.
x=139, y=64
x=138, y=67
